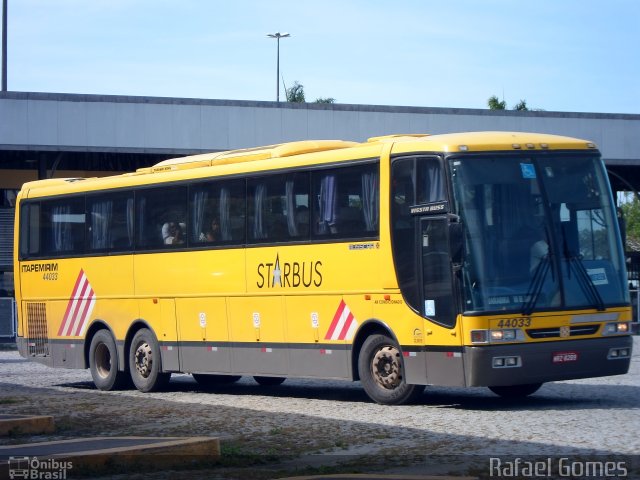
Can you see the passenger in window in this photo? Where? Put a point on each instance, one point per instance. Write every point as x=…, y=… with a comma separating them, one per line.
x=213, y=232
x=302, y=220
x=172, y=233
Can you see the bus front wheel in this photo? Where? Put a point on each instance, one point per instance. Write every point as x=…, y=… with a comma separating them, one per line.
x=103, y=362
x=145, y=362
x=381, y=372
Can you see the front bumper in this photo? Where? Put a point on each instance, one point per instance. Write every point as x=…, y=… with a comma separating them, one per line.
x=537, y=364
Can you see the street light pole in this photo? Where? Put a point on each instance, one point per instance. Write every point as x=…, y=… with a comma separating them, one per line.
x=4, y=45
x=278, y=36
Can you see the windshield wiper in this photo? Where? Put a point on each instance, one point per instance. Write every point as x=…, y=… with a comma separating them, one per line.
x=585, y=281
x=535, y=288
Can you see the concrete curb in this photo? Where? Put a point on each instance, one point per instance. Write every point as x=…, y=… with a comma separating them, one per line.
x=105, y=452
x=10, y=424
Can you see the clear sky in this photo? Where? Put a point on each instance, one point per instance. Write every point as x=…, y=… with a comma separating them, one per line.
x=558, y=55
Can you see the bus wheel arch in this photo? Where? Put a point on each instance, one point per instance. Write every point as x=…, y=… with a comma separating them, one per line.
x=368, y=328
x=377, y=356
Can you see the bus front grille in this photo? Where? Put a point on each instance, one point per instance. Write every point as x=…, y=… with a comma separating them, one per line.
x=554, y=332
x=37, y=335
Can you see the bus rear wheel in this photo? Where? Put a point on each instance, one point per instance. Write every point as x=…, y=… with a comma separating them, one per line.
x=145, y=362
x=516, y=391
x=381, y=372
x=269, y=381
x=103, y=362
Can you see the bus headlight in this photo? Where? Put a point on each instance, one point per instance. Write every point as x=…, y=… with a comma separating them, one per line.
x=497, y=336
x=618, y=328
x=502, y=335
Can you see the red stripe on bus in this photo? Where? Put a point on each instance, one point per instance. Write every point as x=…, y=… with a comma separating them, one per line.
x=85, y=313
x=336, y=319
x=346, y=327
x=73, y=295
x=78, y=306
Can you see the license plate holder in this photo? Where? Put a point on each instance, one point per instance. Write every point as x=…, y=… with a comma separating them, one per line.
x=564, y=357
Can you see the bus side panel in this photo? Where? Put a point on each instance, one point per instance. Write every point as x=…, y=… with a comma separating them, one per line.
x=310, y=353
x=78, y=292
x=256, y=330
x=160, y=314
x=203, y=335
x=184, y=277
x=197, y=274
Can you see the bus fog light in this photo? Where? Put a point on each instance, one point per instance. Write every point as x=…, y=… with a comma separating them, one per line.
x=506, y=362
x=616, y=353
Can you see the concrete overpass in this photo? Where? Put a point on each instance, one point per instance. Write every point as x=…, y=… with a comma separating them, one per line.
x=114, y=133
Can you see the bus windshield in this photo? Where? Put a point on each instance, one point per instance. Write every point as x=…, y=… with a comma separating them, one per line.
x=539, y=233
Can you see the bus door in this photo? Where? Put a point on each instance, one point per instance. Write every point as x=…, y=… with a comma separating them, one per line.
x=438, y=303
x=437, y=245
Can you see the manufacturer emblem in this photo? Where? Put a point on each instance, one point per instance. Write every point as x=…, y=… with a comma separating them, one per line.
x=565, y=332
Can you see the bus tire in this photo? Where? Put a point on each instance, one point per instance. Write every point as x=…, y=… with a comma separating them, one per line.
x=207, y=381
x=516, y=391
x=145, y=362
x=103, y=362
x=381, y=370
x=269, y=381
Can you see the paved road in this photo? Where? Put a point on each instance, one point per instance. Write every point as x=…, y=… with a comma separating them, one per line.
x=329, y=422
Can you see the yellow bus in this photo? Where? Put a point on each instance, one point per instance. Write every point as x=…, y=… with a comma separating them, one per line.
x=469, y=259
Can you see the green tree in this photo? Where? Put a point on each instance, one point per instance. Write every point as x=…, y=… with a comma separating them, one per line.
x=631, y=212
x=495, y=104
x=521, y=106
x=295, y=94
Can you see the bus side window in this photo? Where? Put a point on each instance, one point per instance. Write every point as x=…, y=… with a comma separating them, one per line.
x=216, y=212
x=110, y=222
x=346, y=202
x=276, y=208
x=30, y=242
x=161, y=217
x=63, y=226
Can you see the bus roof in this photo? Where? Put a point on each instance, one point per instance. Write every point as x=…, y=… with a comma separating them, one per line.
x=292, y=154
x=485, y=141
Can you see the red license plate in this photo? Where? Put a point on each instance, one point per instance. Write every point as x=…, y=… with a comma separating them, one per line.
x=565, y=357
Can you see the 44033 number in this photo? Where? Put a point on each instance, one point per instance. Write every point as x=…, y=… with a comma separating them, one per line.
x=521, y=322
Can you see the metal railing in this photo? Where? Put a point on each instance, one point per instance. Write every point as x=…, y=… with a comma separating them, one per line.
x=8, y=318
